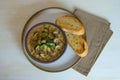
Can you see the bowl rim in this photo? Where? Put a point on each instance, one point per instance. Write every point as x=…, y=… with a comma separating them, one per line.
x=37, y=25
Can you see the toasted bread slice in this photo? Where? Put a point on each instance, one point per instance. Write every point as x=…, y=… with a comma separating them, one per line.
x=71, y=24
x=78, y=44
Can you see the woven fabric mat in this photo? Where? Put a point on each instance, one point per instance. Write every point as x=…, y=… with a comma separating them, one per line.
x=97, y=35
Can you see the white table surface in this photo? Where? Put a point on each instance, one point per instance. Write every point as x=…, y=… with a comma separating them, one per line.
x=15, y=66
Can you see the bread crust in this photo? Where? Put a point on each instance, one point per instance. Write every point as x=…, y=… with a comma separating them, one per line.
x=85, y=51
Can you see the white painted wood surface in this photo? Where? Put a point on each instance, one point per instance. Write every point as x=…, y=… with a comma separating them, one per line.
x=15, y=66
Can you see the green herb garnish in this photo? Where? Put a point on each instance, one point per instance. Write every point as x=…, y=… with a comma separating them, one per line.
x=48, y=40
x=51, y=45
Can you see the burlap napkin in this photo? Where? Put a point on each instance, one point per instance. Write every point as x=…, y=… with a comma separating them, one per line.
x=97, y=35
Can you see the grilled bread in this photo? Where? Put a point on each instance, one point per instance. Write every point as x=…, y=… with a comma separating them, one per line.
x=74, y=30
x=78, y=44
x=71, y=24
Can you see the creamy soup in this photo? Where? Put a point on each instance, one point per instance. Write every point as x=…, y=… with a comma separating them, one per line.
x=45, y=42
